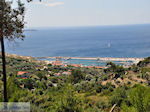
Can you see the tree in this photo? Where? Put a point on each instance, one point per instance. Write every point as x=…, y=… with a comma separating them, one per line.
x=11, y=27
x=117, y=69
x=144, y=63
x=77, y=76
x=140, y=98
x=67, y=101
x=119, y=96
x=29, y=83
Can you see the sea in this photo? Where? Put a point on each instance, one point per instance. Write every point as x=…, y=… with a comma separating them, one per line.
x=92, y=41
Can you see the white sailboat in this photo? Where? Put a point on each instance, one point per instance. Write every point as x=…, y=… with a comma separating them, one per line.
x=109, y=45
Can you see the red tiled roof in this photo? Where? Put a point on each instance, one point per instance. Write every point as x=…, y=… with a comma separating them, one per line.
x=21, y=72
x=89, y=66
x=57, y=74
x=57, y=63
x=100, y=67
x=76, y=65
x=95, y=67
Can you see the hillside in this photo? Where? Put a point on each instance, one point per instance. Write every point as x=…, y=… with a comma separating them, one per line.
x=74, y=89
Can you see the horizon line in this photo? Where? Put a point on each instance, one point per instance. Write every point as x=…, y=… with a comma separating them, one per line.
x=84, y=26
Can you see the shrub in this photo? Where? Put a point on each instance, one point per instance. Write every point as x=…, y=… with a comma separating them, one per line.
x=118, y=96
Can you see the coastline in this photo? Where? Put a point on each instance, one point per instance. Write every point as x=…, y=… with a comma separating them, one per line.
x=135, y=60
x=83, y=58
x=62, y=60
x=19, y=56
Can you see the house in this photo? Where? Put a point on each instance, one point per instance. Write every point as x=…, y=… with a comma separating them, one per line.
x=57, y=63
x=23, y=75
x=57, y=74
x=102, y=67
x=76, y=65
x=66, y=73
x=89, y=66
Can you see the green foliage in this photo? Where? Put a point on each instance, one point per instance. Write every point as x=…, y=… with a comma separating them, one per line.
x=144, y=63
x=28, y=83
x=12, y=19
x=92, y=109
x=102, y=104
x=140, y=98
x=41, y=74
x=1, y=95
x=12, y=87
x=68, y=102
x=135, y=68
x=105, y=77
x=117, y=69
x=125, y=108
x=118, y=96
x=77, y=76
x=84, y=93
x=14, y=92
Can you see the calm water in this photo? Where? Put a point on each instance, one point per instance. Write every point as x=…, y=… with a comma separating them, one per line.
x=106, y=41
x=89, y=62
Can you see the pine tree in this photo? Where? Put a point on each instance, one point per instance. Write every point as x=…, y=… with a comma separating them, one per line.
x=11, y=27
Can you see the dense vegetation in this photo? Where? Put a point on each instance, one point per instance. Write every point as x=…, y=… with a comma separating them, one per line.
x=71, y=89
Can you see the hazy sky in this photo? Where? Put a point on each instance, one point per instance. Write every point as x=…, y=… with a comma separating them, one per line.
x=51, y=13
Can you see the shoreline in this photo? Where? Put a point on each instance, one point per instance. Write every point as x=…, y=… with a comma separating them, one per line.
x=96, y=58
x=18, y=56
x=105, y=59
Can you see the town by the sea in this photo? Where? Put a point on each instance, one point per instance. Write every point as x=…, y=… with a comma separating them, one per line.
x=124, y=41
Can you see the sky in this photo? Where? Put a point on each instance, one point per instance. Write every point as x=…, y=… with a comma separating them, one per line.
x=59, y=13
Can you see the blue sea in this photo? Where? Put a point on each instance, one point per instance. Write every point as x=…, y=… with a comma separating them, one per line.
x=95, y=41
x=100, y=41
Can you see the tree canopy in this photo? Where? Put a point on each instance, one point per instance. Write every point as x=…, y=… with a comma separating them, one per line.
x=12, y=20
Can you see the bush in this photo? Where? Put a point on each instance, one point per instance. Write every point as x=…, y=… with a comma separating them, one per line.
x=144, y=63
x=77, y=76
x=140, y=98
x=118, y=96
